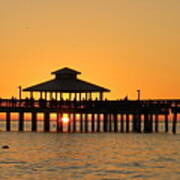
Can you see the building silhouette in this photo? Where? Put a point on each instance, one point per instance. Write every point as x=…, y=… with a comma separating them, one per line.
x=66, y=81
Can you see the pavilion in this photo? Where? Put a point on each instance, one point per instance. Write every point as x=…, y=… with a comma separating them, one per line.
x=66, y=82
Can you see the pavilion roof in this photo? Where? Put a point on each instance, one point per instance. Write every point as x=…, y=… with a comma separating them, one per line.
x=66, y=85
x=66, y=70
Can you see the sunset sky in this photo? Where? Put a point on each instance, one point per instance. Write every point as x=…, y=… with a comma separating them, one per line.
x=123, y=45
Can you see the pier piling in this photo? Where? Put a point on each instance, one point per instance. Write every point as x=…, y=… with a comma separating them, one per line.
x=69, y=123
x=115, y=123
x=174, y=123
x=86, y=123
x=127, y=123
x=122, y=123
x=146, y=123
x=46, y=122
x=34, y=121
x=21, y=121
x=74, y=122
x=8, y=121
x=92, y=122
x=166, y=123
x=105, y=122
x=81, y=122
x=98, y=122
x=156, y=123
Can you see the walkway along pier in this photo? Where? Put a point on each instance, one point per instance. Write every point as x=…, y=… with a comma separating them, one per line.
x=86, y=114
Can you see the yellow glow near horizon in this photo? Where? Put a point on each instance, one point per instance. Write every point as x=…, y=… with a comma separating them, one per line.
x=119, y=44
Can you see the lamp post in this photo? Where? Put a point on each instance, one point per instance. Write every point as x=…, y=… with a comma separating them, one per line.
x=20, y=92
x=138, y=94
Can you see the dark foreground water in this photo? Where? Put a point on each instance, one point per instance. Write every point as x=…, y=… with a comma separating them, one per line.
x=89, y=156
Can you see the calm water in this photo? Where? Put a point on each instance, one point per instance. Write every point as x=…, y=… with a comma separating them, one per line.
x=89, y=156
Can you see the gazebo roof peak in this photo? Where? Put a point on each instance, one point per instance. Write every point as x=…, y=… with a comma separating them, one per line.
x=66, y=70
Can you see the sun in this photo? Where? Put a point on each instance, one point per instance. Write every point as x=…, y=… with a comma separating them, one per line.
x=65, y=118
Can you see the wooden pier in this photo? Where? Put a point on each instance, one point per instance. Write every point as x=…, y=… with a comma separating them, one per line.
x=86, y=108
x=95, y=116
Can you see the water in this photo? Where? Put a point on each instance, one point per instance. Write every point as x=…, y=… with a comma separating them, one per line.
x=89, y=156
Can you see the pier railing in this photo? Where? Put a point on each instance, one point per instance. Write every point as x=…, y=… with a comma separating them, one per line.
x=110, y=104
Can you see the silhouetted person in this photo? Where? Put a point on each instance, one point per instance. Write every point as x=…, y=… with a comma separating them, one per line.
x=26, y=102
x=31, y=101
x=42, y=103
x=126, y=98
x=13, y=101
x=53, y=103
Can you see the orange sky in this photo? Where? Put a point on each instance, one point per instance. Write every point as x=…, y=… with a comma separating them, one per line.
x=123, y=45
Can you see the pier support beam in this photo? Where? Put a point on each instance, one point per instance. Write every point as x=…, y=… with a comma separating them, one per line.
x=122, y=123
x=166, y=123
x=69, y=123
x=151, y=123
x=46, y=122
x=81, y=123
x=174, y=123
x=156, y=123
x=127, y=123
x=8, y=121
x=139, y=123
x=110, y=122
x=92, y=122
x=98, y=122
x=21, y=121
x=146, y=123
x=134, y=123
x=74, y=122
x=115, y=122
x=105, y=118
x=86, y=123
x=34, y=121
x=59, y=123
